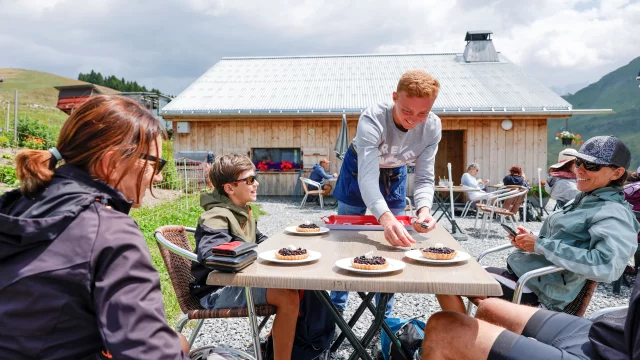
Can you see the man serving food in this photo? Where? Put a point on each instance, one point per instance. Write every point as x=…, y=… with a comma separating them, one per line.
x=374, y=170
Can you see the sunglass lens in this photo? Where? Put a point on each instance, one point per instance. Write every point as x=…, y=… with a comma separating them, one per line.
x=589, y=166
x=251, y=180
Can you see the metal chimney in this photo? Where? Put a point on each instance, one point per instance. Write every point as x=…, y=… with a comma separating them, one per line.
x=479, y=47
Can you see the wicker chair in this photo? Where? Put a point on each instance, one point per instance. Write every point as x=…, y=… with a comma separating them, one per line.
x=176, y=252
x=577, y=307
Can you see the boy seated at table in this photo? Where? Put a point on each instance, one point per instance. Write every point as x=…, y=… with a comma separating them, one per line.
x=228, y=218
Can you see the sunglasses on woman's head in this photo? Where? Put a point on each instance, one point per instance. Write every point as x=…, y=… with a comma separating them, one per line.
x=249, y=180
x=161, y=162
x=589, y=166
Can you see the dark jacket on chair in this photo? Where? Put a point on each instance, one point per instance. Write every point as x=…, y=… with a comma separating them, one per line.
x=77, y=276
x=222, y=222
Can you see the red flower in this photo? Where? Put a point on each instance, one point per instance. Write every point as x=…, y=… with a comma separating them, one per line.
x=286, y=165
x=262, y=166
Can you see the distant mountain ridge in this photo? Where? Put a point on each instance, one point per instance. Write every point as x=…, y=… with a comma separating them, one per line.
x=617, y=90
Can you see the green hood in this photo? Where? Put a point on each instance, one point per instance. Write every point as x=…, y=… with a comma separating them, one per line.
x=222, y=214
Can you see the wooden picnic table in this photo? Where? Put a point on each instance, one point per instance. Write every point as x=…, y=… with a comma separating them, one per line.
x=466, y=278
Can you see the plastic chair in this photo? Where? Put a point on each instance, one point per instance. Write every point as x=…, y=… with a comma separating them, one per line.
x=305, y=183
x=491, y=198
x=577, y=307
x=177, y=255
x=511, y=202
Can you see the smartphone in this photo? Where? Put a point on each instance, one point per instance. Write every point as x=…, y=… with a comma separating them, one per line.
x=510, y=230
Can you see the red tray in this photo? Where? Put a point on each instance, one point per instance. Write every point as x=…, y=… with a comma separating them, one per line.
x=360, y=222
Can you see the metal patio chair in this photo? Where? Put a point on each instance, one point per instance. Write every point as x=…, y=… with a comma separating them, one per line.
x=577, y=307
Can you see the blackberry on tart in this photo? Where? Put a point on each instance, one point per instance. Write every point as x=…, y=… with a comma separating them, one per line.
x=292, y=252
x=308, y=226
x=369, y=261
x=438, y=252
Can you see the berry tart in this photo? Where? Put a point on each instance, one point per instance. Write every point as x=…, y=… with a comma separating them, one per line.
x=292, y=252
x=438, y=252
x=308, y=226
x=369, y=261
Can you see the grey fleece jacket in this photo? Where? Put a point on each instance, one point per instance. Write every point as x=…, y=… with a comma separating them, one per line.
x=380, y=144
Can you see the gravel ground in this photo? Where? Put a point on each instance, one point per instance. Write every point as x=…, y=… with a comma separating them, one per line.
x=283, y=211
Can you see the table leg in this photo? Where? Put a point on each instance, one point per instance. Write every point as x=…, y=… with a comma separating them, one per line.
x=344, y=327
x=253, y=322
x=378, y=319
x=446, y=212
x=366, y=300
x=387, y=329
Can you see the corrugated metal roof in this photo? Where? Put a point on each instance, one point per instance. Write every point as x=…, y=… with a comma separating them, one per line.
x=350, y=83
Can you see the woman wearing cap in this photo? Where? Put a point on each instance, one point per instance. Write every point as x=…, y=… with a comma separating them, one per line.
x=77, y=278
x=592, y=238
x=562, y=184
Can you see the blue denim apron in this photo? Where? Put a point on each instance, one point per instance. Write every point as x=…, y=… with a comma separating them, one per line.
x=392, y=183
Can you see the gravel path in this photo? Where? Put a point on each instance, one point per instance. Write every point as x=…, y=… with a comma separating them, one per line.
x=282, y=212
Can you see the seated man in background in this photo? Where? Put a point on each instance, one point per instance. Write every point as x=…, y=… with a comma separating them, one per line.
x=319, y=175
x=228, y=218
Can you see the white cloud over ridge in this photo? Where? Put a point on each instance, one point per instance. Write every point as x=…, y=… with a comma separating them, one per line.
x=168, y=43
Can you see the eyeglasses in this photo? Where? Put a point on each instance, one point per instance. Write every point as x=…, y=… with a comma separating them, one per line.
x=249, y=180
x=589, y=166
x=161, y=162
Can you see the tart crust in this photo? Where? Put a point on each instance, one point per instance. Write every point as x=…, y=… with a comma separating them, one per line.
x=438, y=256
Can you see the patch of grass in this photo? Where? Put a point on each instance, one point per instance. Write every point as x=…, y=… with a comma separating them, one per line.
x=36, y=96
x=182, y=211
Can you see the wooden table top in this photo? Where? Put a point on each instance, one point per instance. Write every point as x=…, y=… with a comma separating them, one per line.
x=466, y=278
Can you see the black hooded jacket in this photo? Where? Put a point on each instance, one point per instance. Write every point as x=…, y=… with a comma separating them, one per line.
x=76, y=276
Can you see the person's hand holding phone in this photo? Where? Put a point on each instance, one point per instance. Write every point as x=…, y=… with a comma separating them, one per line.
x=524, y=240
x=424, y=222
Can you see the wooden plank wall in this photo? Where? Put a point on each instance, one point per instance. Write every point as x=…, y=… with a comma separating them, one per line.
x=497, y=150
x=483, y=141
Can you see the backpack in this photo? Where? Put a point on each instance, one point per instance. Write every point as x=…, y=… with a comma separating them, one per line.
x=410, y=332
x=314, y=331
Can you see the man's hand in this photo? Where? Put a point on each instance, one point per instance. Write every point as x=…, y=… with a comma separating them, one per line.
x=335, y=174
x=394, y=231
x=525, y=240
x=424, y=215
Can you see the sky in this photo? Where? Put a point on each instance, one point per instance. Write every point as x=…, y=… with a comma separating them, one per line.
x=167, y=44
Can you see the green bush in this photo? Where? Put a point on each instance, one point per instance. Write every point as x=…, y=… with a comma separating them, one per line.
x=4, y=141
x=170, y=178
x=35, y=135
x=534, y=191
x=8, y=175
x=7, y=157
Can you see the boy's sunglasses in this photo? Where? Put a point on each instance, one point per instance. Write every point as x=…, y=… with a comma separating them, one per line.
x=161, y=162
x=589, y=166
x=249, y=180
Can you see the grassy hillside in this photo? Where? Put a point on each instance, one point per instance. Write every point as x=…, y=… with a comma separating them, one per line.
x=617, y=90
x=36, y=96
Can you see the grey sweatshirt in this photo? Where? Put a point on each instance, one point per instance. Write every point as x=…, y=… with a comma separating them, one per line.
x=380, y=144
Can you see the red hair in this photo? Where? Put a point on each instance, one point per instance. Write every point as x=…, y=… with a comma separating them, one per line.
x=515, y=170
